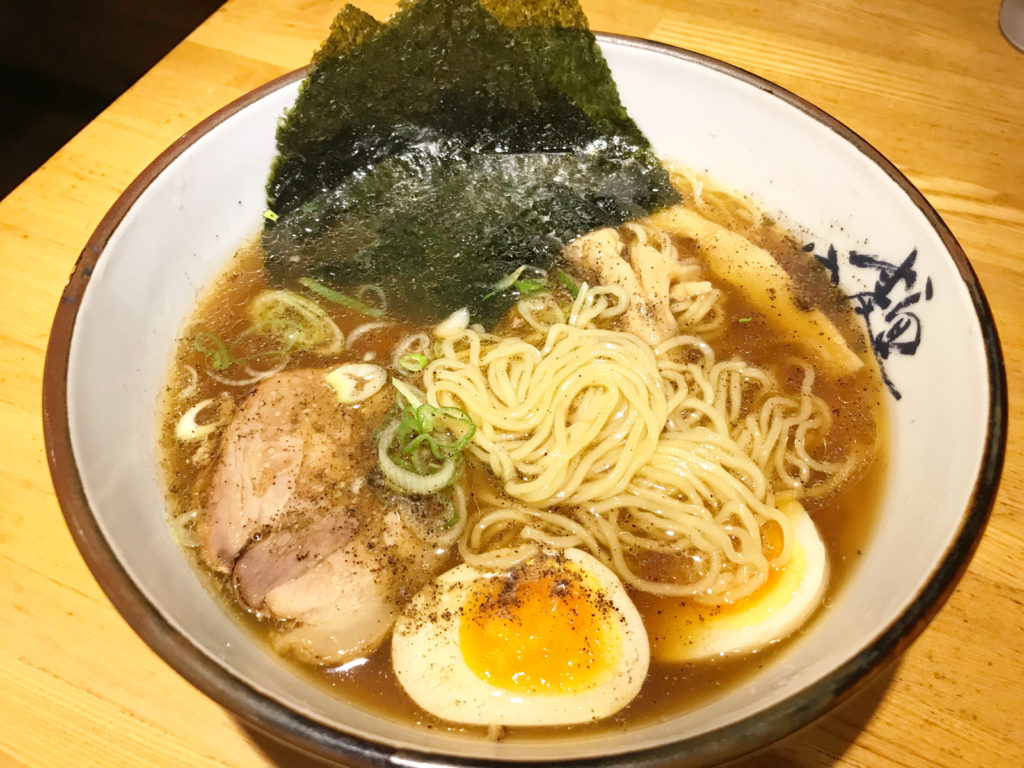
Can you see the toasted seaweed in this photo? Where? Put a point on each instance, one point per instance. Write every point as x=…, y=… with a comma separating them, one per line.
x=437, y=152
x=350, y=29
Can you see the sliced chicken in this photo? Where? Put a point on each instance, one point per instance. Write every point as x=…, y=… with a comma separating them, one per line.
x=288, y=554
x=337, y=580
x=322, y=578
x=291, y=449
x=602, y=257
x=343, y=608
x=291, y=515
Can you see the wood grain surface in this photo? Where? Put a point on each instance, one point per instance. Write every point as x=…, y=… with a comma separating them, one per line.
x=932, y=85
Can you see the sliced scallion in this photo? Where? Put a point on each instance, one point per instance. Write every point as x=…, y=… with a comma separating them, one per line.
x=341, y=299
x=453, y=515
x=416, y=483
x=355, y=382
x=217, y=352
x=530, y=287
x=568, y=282
x=297, y=321
x=420, y=449
x=412, y=395
x=413, y=362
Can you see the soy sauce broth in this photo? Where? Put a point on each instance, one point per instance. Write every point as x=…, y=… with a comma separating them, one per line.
x=844, y=518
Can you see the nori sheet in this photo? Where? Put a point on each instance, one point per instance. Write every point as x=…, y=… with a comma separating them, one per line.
x=437, y=152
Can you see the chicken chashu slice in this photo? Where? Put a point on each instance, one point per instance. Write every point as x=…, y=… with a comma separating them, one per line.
x=653, y=278
x=290, y=515
x=338, y=580
x=291, y=449
x=602, y=257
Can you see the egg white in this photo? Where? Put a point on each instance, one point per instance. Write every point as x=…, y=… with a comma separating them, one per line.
x=690, y=632
x=429, y=663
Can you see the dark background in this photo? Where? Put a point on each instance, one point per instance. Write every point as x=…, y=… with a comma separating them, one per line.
x=63, y=61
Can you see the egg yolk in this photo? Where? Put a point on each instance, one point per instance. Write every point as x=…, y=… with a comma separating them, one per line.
x=672, y=621
x=549, y=632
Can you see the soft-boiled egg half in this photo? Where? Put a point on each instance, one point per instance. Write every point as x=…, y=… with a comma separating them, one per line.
x=683, y=631
x=552, y=641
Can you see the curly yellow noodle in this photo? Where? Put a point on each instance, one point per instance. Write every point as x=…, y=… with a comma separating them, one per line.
x=601, y=442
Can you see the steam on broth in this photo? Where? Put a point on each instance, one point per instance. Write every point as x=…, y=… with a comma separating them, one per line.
x=641, y=454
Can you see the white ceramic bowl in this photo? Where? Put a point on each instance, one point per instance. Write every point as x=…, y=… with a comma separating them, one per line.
x=173, y=229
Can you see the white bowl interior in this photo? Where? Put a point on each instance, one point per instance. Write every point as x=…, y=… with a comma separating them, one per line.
x=210, y=199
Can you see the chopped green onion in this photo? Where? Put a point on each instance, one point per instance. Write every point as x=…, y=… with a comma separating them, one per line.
x=295, y=320
x=529, y=287
x=377, y=292
x=420, y=451
x=413, y=362
x=417, y=483
x=412, y=395
x=340, y=298
x=283, y=328
x=425, y=426
x=269, y=215
x=452, y=325
x=355, y=382
x=526, y=287
x=506, y=282
x=188, y=429
x=453, y=517
x=744, y=319
x=219, y=355
x=568, y=282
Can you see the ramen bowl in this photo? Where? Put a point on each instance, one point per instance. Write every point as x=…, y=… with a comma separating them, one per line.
x=174, y=228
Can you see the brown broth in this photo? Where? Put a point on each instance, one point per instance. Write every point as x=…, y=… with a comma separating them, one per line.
x=845, y=519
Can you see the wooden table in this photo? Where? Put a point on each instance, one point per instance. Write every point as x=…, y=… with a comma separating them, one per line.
x=932, y=85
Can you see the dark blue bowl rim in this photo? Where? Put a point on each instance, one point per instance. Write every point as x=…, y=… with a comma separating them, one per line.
x=313, y=738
